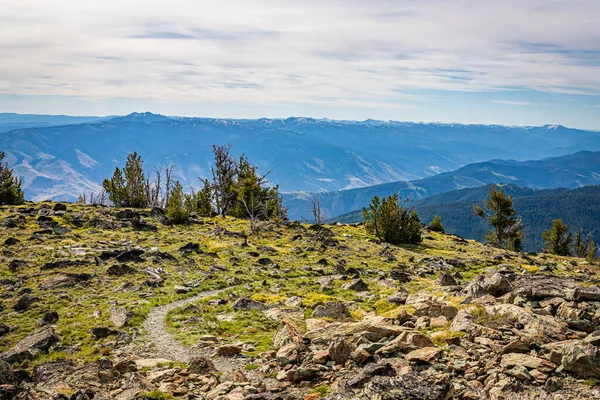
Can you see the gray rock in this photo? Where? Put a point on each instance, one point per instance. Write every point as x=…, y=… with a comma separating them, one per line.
x=245, y=303
x=445, y=279
x=581, y=359
x=41, y=341
x=332, y=310
x=201, y=365
x=399, y=297
x=120, y=316
x=25, y=302
x=340, y=351
x=357, y=285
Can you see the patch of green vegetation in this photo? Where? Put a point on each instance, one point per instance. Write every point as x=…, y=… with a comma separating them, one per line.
x=251, y=367
x=323, y=390
x=154, y=395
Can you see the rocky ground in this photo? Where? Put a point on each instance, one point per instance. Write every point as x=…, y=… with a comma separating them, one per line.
x=99, y=303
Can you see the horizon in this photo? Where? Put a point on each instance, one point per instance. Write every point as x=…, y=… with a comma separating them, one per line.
x=549, y=125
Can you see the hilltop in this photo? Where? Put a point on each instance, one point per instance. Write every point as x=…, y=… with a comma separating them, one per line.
x=102, y=303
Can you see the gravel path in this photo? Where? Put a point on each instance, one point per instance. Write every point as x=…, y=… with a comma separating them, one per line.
x=169, y=348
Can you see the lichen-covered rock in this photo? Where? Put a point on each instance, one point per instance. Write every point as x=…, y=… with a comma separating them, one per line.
x=333, y=310
x=26, y=349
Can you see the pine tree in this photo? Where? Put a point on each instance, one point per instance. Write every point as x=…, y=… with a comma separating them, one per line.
x=591, y=253
x=10, y=185
x=176, y=212
x=201, y=201
x=436, y=224
x=557, y=239
x=391, y=222
x=502, y=217
x=580, y=245
x=126, y=188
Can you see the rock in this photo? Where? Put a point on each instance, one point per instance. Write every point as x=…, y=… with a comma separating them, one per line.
x=40, y=341
x=515, y=359
x=410, y=386
x=120, y=270
x=120, y=316
x=190, y=248
x=49, y=318
x=201, y=365
x=133, y=255
x=445, y=279
x=14, y=265
x=60, y=207
x=4, y=329
x=126, y=214
x=331, y=310
x=102, y=332
x=516, y=346
x=65, y=281
x=426, y=354
x=581, y=359
x=400, y=275
x=496, y=285
x=368, y=372
x=288, y=332
x=373, y=328
x=11, y=241
x=288, y=354
x=340, y=351
x=357, y=285
x=25, y=302
x=553, y=385
x=229, y=350
x=245, y=303
x=182, y=289
x=6, y=374
x=399, y=297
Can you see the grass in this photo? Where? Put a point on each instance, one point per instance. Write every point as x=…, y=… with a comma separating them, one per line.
x=222, y=260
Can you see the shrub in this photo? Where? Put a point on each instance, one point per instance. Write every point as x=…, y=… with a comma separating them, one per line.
x=390, y=221
x=436, y=224
x=10, y=186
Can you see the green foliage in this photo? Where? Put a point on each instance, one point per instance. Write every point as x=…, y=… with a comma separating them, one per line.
x=200, y=202
x=10, y=185
x=502, y=217
x=153, y=395
x=390, y=221
x=176, y=212
x=323, y=390
x=436, y=224
x=591, y=253
x=126, y=187
x=557, y=239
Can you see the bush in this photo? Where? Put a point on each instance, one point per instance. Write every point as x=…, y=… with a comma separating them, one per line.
x=176, y=212
x=390, y=221
x=436, y=224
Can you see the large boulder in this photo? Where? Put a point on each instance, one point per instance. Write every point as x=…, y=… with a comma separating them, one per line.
x=120, y=316
x=496, y=284
x=331, y=310
x=340, y=351
x=581, y=359
x=6, y=375
x=201, y=365
x=26, y=349
x=373, y=328
x=245, y=303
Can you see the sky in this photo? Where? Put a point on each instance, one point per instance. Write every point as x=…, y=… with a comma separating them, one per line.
x=511, y=62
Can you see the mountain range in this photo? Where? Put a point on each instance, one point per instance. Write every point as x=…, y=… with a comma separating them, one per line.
x=61, y=157
x=568, y=171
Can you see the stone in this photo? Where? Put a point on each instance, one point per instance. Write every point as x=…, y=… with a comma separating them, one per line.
x=201, y=365
x=425, y=354
x=25, y=302
x=373, y=328
x=11, y=241
x=229, y=350
x=340, y=351
x=516, y=346
x=245, y=303
x=49, y=318
x=4, y=329
x=514, y=359
x=182, y=289
x=496, y=285
x=65, y=281
x=333, y=310
x=6, y=374
x=120, y=270
x=357, y=285
x=133, y=255
x=60, y=207
x=27, y=348
x=368, y=372
x=288, y=354
x=190, y=248
x=399, y=297
x=409, y=386
x=581, y=359
x=553, y=385
x=120, y=316
x=445, y=279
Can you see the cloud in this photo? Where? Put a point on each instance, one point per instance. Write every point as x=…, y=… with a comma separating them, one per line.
x=266, y=52
x=512, y=103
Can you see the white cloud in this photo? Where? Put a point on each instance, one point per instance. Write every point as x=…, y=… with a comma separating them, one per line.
x=296, y=51
x=512, y=103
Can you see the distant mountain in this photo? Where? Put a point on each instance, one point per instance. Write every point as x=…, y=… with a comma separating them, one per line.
x=576, y=207
x=10, y=121
x=569, y=171
x=303, y=154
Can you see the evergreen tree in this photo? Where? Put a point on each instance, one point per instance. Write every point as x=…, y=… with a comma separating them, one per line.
x=591, y=253
x=176, y=212
x=557, y=239
x=391, y=222
x=579, y=244
x=126, y=187
x=436, y=224
x=502, y=217
x=10, y=185
x=201, y=201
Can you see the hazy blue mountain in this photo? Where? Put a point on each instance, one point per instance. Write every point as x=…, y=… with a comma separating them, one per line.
x=576, y=207
x=11, y=121
x=303, y=154
x=569, y=171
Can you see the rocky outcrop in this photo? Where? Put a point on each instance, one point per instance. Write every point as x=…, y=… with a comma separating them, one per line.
x=26, y=349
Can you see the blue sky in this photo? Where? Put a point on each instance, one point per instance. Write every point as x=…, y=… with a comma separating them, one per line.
x=525, y=62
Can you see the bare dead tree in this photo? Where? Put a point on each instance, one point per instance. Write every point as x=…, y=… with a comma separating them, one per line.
x=316, y=210
x=255, y=212
x=168, y=182
x=223, y=172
